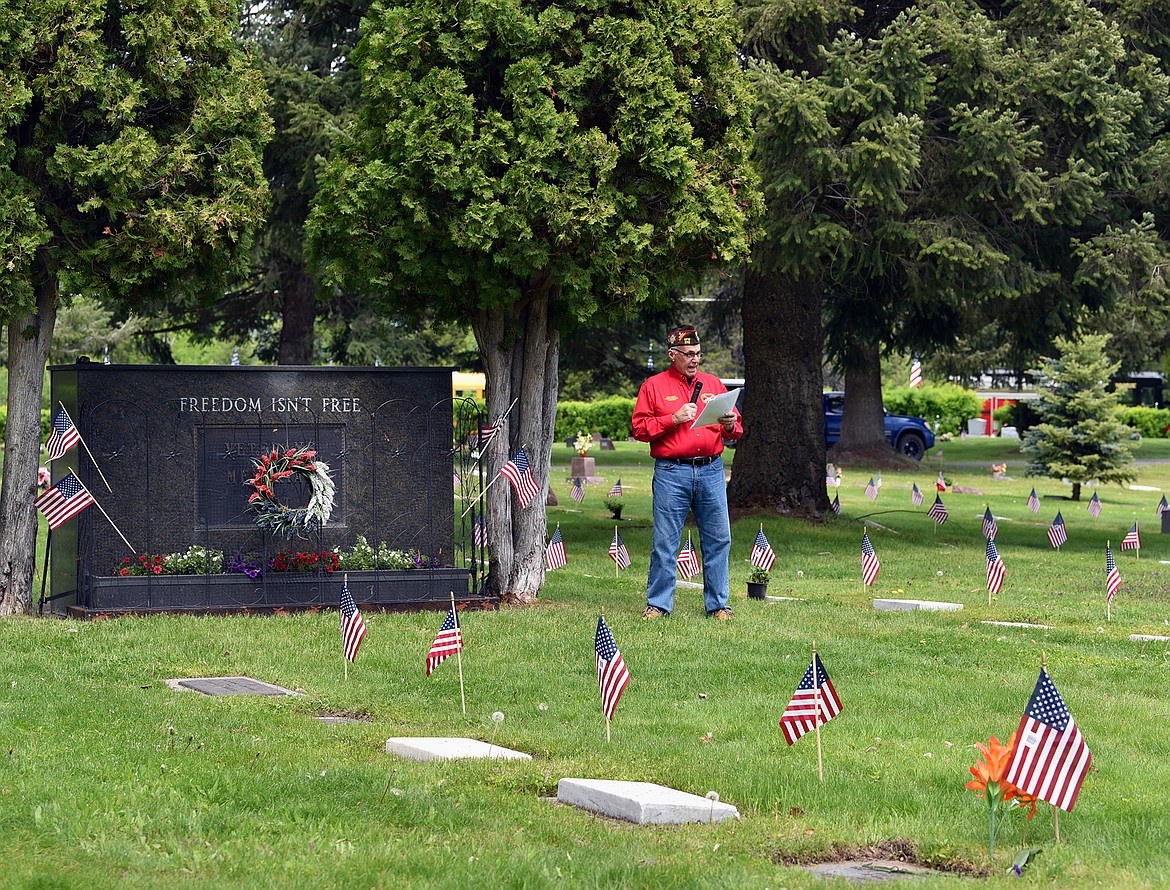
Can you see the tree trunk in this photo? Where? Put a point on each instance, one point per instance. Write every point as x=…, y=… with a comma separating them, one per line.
x=29, y=337
x=520, y=346
x=863, y=426
x=780, y=461
x=1076, y=491
x=299, y=312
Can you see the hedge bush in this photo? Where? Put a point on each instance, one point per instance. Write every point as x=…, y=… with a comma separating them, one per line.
x=949, y=405
x=1152, y=423
x=609, y=417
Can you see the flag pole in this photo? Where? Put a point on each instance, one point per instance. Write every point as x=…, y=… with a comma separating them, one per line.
x=1138, y=550
x=87, y=451
x=616, y=575
x=44, y=573
x=1108, y=602
x=817, y=717
x=1055, y=808
x=104, y=513
x=459, y=654
x=344, y=660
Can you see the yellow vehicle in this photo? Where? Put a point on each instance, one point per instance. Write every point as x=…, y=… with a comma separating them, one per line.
x=467, y=384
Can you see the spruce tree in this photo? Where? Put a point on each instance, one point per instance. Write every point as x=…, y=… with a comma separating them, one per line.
x=1080, y=436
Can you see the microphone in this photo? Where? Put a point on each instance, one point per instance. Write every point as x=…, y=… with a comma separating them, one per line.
x=698, y=389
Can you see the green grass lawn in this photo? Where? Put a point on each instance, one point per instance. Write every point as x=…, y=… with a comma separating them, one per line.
x=110, y=778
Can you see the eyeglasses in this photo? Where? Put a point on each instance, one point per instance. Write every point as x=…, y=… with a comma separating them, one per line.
x=698, y=353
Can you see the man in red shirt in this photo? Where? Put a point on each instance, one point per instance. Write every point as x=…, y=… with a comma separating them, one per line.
x=688, y=474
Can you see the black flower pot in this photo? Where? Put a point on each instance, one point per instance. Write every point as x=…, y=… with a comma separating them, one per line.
x=757, y=591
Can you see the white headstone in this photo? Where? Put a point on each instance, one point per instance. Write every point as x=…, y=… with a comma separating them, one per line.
x=885, y=605
x=450, y=749
x=643, y=803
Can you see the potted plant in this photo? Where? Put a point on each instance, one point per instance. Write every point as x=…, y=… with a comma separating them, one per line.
x=614, y=505
x=757, y=583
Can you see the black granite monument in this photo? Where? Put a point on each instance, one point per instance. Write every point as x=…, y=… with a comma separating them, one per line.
x=177, y=445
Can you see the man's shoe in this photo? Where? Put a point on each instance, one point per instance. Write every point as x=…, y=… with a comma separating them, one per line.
x=722, y=614
x=651, y=613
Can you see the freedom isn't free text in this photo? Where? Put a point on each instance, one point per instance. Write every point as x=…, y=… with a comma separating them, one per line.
x=281, y=404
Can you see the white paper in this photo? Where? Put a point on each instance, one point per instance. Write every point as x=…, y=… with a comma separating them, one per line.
x=715, y=408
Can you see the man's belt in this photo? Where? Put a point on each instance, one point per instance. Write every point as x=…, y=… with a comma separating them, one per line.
x=691, y=461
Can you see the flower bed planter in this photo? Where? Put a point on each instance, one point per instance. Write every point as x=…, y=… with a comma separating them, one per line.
x=387, y=587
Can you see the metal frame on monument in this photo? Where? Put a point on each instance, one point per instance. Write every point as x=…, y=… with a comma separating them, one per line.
x=179, y=446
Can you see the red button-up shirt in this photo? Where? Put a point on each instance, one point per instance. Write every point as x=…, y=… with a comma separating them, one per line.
x=659, y=398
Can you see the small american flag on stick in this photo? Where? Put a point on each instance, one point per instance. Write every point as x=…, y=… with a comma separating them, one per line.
x=688, y=560
x=1057, y=534
x=995, y=569
x=990, y=529
x=61, y=502
x=578, y=491
x=1112, y=576
x=616, y=491
x=353, y=629
x=554, y=555
x=869, y=561
x=938, y=511
x=612, y=676
x=63, y=437
x=916, y=372
x=1094, y=506
x=618, y=552
x=448, y=641
x=762, y=555
x=1033, y=502
x=1050, y=759
x=916, y=495
x=1131, y=541
x=518, y=472
x=815, y=702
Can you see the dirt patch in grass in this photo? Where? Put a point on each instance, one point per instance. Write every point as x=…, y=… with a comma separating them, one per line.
x=896, y=850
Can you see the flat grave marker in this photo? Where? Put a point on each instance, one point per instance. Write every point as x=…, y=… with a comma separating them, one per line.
x=642, y=803
x=888, y=605
x=422, y=748
x=217, y=686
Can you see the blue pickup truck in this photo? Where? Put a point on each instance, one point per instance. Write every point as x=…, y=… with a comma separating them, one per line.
x=908, y=435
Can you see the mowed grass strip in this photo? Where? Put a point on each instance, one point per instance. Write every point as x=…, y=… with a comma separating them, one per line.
x=110, y=778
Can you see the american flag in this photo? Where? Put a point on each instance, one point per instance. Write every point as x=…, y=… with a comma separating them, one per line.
x=448, y=641
x=1033, y=502
x=353, y=629
x=1162, y=506
x=814, y=702
x=618, y=552
x=938, y=511
x=1131, y=541
x=612, y=676
x=836, y=505
x=1095, y=506
x=479, y=532
x=995, y=568
x=1050, y=759
x=63, y=501
x=869, y=561
x=916, y=495
x=63, y=437
x=990, y=529
x=1112, y=576
x=940, y=483
x=578, y=491
x=519, y=473
x=762, y=555
x=1056, y=532
x=616, y=491
x=235, y=357
x=871, y=490
x=487, y=432
x=554, y=555
x=916, y=372
x=688, y=560
x=879, y=480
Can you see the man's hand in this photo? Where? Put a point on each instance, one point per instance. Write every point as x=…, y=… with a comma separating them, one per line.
x=728, y=421
x=684, y=414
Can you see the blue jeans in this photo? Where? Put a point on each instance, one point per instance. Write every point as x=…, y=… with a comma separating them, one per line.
x=677, y=489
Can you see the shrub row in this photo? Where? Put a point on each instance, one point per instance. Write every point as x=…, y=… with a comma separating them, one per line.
x=948, y=405
x=610, y=417
x=1152, y=423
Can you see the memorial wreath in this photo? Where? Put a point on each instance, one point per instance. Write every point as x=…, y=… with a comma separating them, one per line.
x=277, y=466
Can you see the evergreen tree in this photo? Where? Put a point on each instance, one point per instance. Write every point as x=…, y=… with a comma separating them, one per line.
x=131, y=137
x=524, y=167
x=1080, y=436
